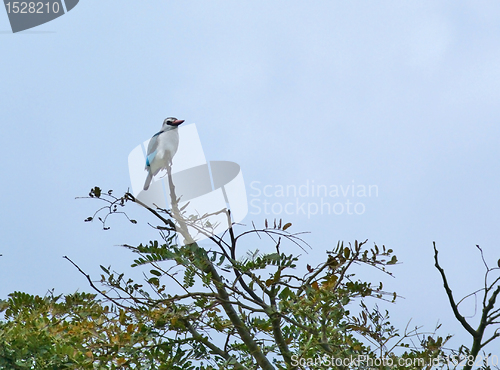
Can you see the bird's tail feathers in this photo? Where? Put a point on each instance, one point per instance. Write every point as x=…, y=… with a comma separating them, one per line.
x=148, y=181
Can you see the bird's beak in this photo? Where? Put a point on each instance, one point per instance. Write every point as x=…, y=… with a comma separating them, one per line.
x=178, y=122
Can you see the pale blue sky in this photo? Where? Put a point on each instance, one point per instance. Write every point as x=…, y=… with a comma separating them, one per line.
x=401, y=95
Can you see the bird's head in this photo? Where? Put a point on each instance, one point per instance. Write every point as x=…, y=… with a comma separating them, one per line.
x=171, y=123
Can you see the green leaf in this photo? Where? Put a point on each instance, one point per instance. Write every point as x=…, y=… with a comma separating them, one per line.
x=393, y=261
x=221, y=260
x=95, y=192
x=154, y=281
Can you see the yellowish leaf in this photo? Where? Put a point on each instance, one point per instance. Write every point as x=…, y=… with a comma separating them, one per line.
x=120, y=361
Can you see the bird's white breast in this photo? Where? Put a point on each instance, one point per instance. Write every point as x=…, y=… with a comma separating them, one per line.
x=168, y=142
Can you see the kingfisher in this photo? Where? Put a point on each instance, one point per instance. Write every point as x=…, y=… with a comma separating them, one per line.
x=162, y=148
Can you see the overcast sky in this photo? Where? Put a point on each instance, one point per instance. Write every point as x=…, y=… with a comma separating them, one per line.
x=399, y=96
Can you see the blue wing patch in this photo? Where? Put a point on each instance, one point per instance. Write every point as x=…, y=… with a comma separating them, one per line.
x=150, y=158
x=152, y=149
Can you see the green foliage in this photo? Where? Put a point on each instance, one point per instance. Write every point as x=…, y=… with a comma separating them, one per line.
x=230, y=309
x=285, y=314
x=79, y=332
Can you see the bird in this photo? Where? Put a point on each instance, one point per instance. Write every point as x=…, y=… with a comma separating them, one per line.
x=162, y=148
